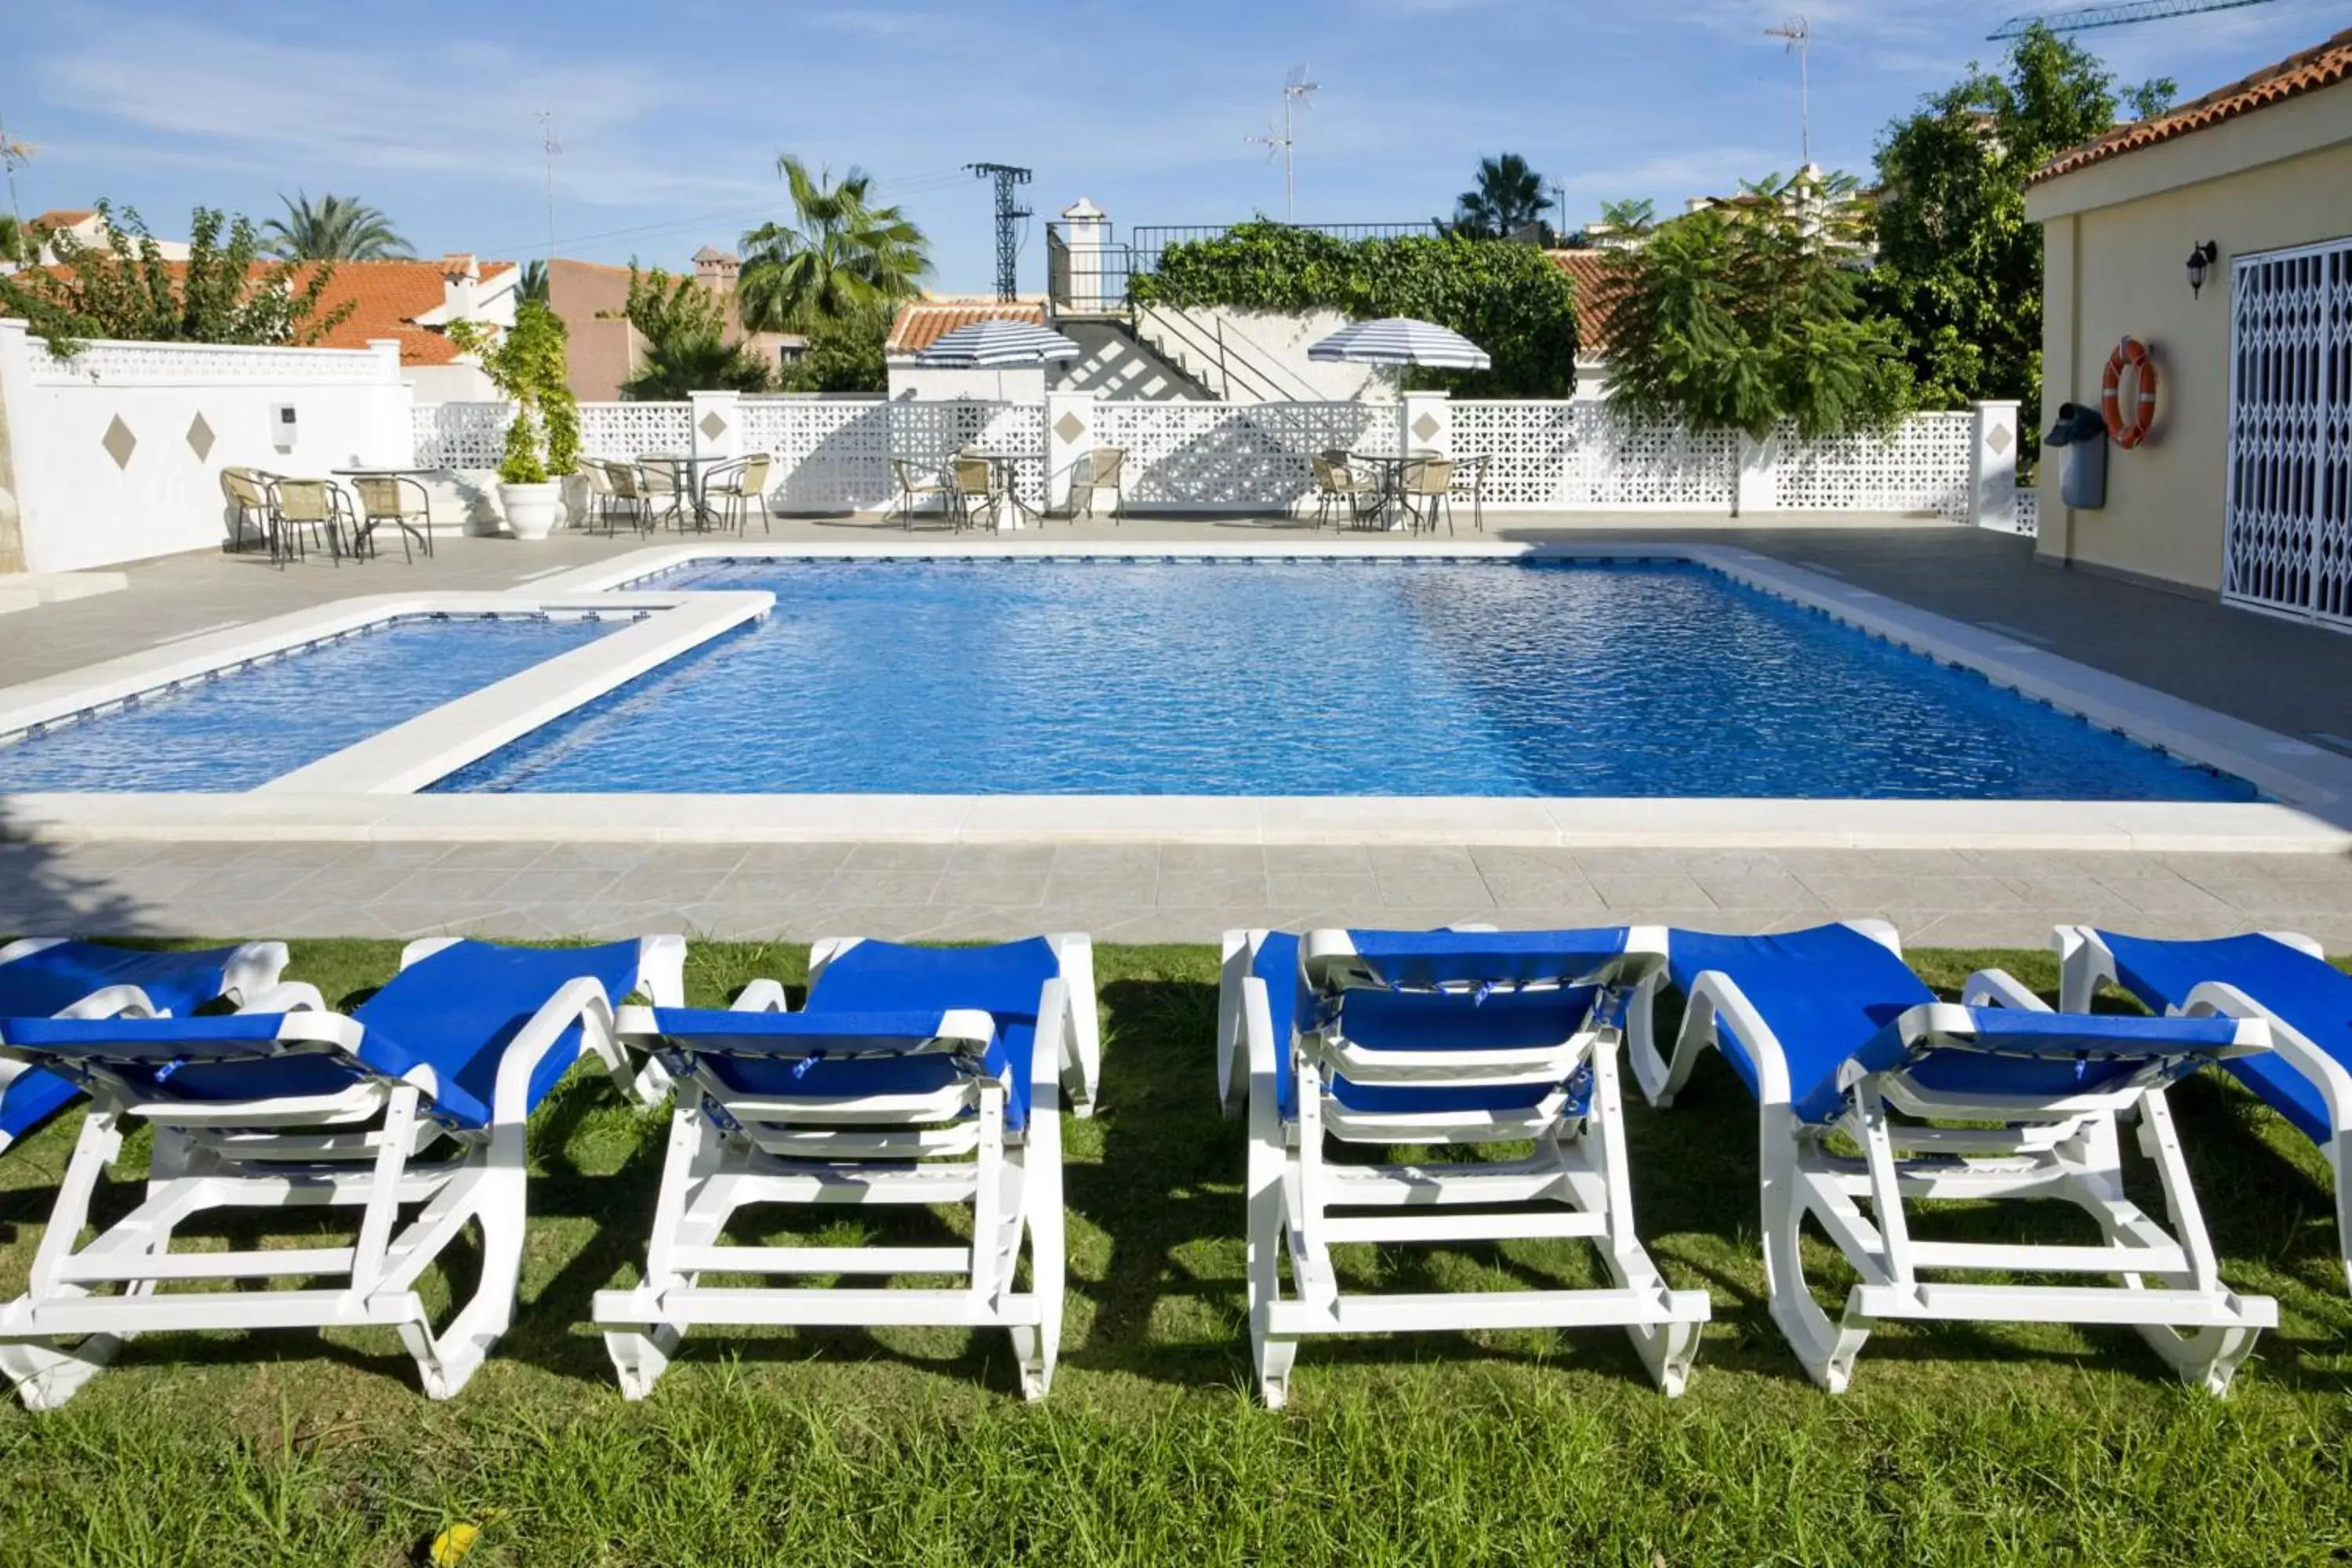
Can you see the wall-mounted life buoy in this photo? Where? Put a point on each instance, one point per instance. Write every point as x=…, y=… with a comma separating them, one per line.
x=2129, y=433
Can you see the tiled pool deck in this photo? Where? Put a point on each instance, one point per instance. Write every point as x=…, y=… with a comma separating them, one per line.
x=2290, y=678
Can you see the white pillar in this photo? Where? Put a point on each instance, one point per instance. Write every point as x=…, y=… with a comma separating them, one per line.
x=716, y=423
x=1425, y=423
x=1086, y=234
x=1758, y=483
x=1069, y=436
x=16, y=419
x=1992, y=466
x=392, y=435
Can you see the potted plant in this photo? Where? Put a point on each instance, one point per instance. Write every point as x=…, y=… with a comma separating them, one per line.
x=542, y=447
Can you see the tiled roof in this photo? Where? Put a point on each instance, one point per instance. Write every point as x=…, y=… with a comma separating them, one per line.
x=62, y=218
x=388, y=296
x=919, y=323
x=2328, y=64
x=1589, y=272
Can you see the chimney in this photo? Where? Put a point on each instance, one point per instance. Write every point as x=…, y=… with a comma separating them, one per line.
x=715, y=269
x=459, y=273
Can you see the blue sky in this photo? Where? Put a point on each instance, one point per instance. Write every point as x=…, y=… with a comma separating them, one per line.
x=671, y=114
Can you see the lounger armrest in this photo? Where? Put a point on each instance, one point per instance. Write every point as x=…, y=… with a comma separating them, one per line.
x=661, y=969
x=2083, y=965
x=1082, y=1042
x=580, y=1001
x=1233, y=1031
x=1999, y=988
x=627, y=1055
x=253, y=968
x=760, y=996
x=113, y=1002
x=2327, y=1075
x=284, y=996
x=1718, y=1002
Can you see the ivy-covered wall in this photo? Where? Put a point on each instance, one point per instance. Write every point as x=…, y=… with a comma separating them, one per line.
x=1505, y=297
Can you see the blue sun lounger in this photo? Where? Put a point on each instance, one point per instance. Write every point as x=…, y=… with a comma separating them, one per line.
x=1833, y=1034
x=1451, y=1037
x=287, y=1105
x=2280, y=978
x=42, y=978
x=914, y=1076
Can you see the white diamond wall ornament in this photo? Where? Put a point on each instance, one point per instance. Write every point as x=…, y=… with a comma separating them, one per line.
x=118, y=442
x=200, y=438
x=1424, y=429
x=1999, y=440
x=1069, y=427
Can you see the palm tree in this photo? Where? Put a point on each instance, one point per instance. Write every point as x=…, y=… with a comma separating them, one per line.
x=840, y=256
x=531, y=288
x=340, y=229
x=1509, y=195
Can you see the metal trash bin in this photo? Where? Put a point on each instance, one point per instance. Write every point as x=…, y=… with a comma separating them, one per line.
x=2082, y=431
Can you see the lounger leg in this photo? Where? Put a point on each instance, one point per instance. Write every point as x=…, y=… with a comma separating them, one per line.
x=642, y=1354
x=447, y=1360
x=1268, y=1207
x=1826, y=1349
x=46, y=1371
x=1039, y=1167
x=1667, y=1349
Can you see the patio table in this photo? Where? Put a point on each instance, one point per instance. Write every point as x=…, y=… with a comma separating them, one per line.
x=1388, y=468
x=686, y=471
x=1007, y=467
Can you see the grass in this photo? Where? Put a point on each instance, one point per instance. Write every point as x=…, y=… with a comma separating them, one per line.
x=1958, y=1444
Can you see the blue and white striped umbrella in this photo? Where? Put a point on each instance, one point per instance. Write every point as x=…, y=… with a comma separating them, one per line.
x=997, y=345
x=1398, y=340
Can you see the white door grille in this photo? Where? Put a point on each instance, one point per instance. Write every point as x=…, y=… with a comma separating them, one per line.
x=2287, y=541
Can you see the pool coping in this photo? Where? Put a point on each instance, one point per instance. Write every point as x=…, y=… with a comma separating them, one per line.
x=364, y=792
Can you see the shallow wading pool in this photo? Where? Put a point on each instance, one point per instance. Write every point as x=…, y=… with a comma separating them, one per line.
x=1500, y=678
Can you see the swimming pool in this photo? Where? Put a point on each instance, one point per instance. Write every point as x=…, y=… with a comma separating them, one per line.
x=237, y=728
x=1313, y=677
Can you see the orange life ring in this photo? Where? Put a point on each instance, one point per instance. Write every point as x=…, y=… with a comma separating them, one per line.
x=2129, y=433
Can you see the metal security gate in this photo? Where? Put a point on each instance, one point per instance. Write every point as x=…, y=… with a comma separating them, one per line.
x=2287, y=543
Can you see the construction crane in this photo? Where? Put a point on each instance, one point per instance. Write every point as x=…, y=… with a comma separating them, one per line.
x=2085, y=17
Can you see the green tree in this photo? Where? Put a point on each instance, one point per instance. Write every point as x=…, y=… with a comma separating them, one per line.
x=1629, y=219
x=223, y=293
x=340, y=229
x=1508, y=298
x=530, y=364
x=1508, y=196
x=1959, y=267
x=840, y=256
x=684, y=326
x=843, y=357
x=14, y=244
x=531, y=287
x=1748, y=312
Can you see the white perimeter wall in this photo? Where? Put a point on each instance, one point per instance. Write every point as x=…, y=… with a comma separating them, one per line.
x=118, y=452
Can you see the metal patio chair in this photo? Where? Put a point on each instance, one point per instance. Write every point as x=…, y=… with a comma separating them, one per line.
x=665, y=499
x=320, y=506
x=248, y=490
x=399, y=500
x=1426, y=489
x=916, y=484
x=738, y=487
x=977, y=489
x=1104, y=468
x=1337, y=484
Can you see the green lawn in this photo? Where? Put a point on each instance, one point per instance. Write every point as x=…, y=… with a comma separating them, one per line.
x=1958, y=1445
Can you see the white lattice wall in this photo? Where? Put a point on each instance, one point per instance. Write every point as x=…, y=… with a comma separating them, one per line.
x=204, y=364
x=628, y=430
x=927, y=433
x=458, y=435
x=1922, y=467
x=832, y=454
x=1581, y=455
x=2028, y=515
x=1216, y=457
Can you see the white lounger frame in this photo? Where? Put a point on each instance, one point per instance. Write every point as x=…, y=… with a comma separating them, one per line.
x=356, y=1148
x=252, y=968
x=728, y=1149
x=2086, y=964
x=1575, y=1185
x=2067, y=1148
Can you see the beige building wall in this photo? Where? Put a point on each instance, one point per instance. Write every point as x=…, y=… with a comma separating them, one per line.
x=2118, y=235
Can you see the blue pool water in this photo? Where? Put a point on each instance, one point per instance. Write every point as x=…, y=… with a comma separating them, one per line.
x=246, y=727
x=1312, y=678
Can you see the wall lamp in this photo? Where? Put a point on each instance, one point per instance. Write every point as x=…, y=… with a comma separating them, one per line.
x=2201, y=259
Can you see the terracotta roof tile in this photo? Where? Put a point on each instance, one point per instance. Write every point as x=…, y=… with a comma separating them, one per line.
x=61, y=217
x=2328, y=64
x=1589, y=270
x=919, y=323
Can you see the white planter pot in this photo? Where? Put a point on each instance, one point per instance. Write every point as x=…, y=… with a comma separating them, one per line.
x=531, y=511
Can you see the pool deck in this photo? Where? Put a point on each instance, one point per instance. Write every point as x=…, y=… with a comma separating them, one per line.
x=2294, y=679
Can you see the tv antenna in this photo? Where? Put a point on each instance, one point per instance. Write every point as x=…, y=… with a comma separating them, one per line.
x=1295, y=89
x=13, y=154
x=1800, y=36
x=548, y=147
x=1009, y=215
